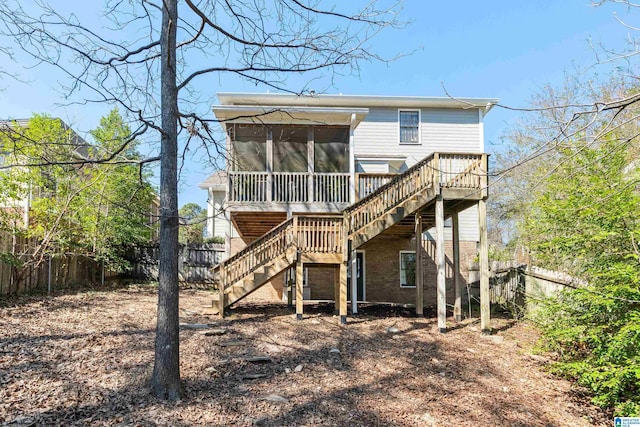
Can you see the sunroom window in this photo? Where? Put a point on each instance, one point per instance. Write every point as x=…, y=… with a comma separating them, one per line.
x=249, y=147
x=331, y=149
x=290, y=148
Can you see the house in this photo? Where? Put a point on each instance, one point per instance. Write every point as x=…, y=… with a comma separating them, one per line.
x=216, y=187
x=19, y=201
x=392, y=188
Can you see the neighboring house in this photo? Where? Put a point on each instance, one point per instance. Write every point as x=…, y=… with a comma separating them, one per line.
x=216, y=187
x=14, y=129
x=318, y=183
x=76, y=147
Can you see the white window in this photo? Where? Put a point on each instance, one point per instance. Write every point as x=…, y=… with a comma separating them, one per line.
x=407, y=269
x=409, y=121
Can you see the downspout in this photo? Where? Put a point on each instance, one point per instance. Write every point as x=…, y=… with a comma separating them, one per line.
x=481, y=112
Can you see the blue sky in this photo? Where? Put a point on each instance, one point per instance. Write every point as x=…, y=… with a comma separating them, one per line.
x=496, y=48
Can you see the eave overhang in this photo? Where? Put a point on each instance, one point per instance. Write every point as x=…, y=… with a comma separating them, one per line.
x=263, y=114
x=282, y=99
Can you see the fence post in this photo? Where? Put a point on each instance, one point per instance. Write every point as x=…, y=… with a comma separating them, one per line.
x=295, y=238
x=221, y=287
x=49, y=277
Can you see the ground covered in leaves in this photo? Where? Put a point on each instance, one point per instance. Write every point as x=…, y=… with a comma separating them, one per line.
x=86, y=359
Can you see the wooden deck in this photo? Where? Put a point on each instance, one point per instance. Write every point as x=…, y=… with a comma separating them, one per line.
x=436, y=187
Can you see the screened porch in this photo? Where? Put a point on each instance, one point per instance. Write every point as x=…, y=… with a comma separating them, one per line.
x=289, y=164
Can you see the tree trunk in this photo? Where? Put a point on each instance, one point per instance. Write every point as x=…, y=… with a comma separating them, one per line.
x=166, y=370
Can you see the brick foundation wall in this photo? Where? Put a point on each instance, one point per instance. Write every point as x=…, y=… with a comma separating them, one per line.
x=322, y=279
x=382, y=271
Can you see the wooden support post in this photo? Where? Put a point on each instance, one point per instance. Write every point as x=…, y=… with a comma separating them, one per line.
x=419, y=261
x=457, y=279
x=485, y=316
x=269, y=165
x=352, y=161
x=310, y=164
x=336, y=289
x=299, y=290
x=436, y=172
x=221, y=287
x=353, y=264
x=290, y=284
x=343, y=293
x=440, y=266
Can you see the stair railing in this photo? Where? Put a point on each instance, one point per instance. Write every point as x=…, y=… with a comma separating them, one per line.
x=446, y=170
x=419, y=177
x=271, y=245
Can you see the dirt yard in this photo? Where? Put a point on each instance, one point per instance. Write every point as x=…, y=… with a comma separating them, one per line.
x=86, y=359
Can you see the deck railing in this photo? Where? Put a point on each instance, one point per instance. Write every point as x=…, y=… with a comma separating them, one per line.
x=331, y=187
x=462, y=170
x=367, y=183
x=320, y=234
x=248, y=186
x=289, y=187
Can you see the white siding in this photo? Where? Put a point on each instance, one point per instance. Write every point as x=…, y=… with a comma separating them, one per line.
x=446, y=130
x=217, y=224
x=221, y=224
x=372, y=166
x=468, y=221
x=443, y=130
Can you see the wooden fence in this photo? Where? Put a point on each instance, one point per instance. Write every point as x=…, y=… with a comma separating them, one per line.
x=19, y=273
x=519, y=288
x=195, y=262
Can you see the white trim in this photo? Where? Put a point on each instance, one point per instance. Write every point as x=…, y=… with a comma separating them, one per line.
x=400, y=268
x=239, y=98
x=481, y=129
x=419, y=126
x=381, y=157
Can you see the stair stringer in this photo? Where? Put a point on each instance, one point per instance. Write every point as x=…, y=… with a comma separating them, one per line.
x=258, y=278
x=392, y=217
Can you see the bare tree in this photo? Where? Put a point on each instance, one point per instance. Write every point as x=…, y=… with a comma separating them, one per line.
x=147, y=57
x=585, y=110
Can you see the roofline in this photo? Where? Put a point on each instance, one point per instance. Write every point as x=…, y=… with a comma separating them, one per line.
x=25, y=122
x=281, y=99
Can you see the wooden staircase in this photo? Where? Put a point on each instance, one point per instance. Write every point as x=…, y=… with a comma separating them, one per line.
x=414, y=189
x=325, y=239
